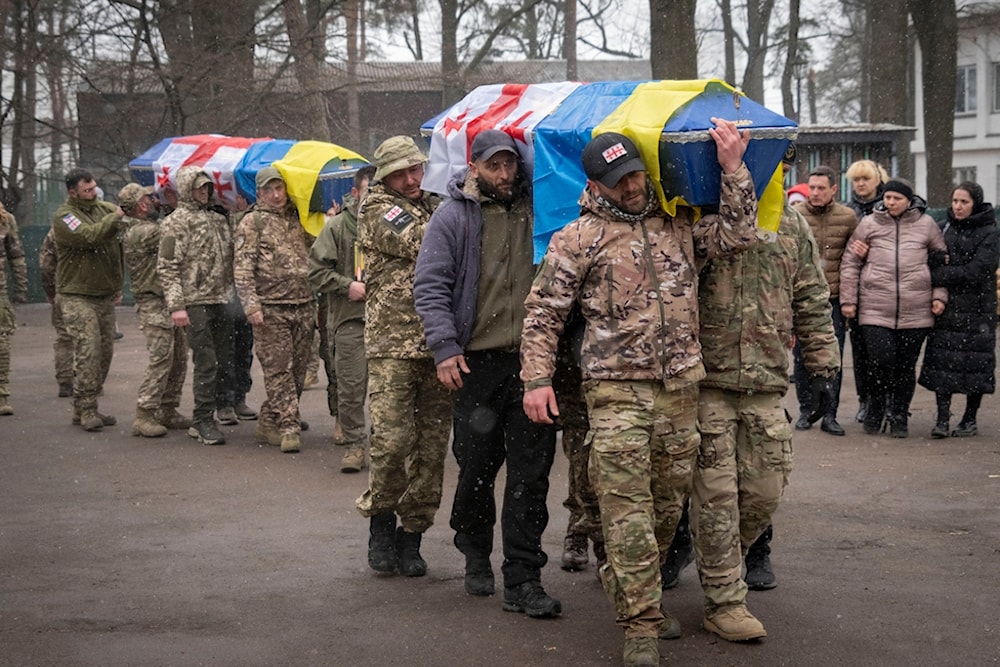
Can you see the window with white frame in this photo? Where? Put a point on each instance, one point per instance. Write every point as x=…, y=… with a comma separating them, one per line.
x=965, y=89
x=962, y=174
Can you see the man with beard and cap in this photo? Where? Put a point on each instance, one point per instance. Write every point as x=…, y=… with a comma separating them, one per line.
x=410, y=410
x=88, y=283
x=160, y=391
x=633, y=269
x=473, y=272
x=271, y=269
x=195, y=266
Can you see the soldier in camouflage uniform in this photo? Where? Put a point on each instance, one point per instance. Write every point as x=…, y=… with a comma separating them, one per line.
x=271, y=269
x=633, y=269
x=410, y=410
x=753, y=306
x=62, y=348
x=337, y=272
x=89, y=277
x=11, y=254
x=160, y=390
x=195, y=266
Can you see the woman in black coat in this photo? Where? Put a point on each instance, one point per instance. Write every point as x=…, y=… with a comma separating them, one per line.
x=960, y=357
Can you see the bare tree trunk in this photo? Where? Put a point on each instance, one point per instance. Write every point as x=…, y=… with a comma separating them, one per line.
x=729, y=40
x=307, y=73
x=451, y=75
x=936, y=25
x=758, y=22
x=351, y=11
x=569, y=39
x=673, y=52
x=889, y=94
x=791, y=60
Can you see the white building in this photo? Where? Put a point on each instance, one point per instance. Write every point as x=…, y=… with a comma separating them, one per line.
x=977, y=106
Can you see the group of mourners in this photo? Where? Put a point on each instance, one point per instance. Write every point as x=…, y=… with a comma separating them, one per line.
x=657, y=341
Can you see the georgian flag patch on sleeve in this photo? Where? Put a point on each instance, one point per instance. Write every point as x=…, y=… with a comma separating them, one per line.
x=72, y=222
x=398, y=218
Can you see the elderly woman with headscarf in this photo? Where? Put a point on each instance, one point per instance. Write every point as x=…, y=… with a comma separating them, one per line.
x=960, y=355
x=888, y=287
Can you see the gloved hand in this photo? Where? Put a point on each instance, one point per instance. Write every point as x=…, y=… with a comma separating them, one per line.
x=822, y=397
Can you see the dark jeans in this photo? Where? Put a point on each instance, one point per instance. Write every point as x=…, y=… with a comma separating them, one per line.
x=210, y=337
x=892, y=360
x=489, y=427
x=859, y=357
x=803, y=390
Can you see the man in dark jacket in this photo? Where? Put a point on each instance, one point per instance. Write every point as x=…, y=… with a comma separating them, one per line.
x=473, y=274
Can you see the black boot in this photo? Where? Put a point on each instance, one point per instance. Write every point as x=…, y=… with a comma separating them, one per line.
x=898, y=425
x=940, y=429
x=411, y=564
x=382, y=543
x=967, y=426
x=680, y=554
x=759, y=575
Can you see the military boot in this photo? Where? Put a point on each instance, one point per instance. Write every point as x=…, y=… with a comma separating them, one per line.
x=734, y=623
x=145, y=425
x=641, y=652
x=479, y=579
x=106, y=420
x=759, y=576
x=290, y=443
x=338, y=433
x=574, y=556
x=408, y=557
x=353, y=459
x=173, y=420
x=5, y=408
x=267, y=434
x=382, y=543
x=90, y=420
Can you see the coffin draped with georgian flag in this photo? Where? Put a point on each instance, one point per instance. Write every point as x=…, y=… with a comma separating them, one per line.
x=668, y=121
x=316, y=173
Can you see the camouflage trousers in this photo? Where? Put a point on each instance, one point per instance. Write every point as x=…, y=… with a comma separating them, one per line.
x=283, y=342
x=581, y=501
x=63, y=347
x=91, y=324
x=7, y=327
x=352, y=380
x=743, y=467
x=644, y=440
x=411, y=422
x=167, y=346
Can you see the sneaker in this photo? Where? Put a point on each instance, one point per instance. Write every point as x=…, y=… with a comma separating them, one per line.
x=940, y=430
x=574, y=555
x=677, y=560
x=759, y=576
x=641, y=652
x=964, y=429
x=267, y=434
x=290, y=443
x=353, y=459
x=244, y=412
x=735, y=623
x=531, y=599
x=207, y=433
x=227, y=416
x=479, y=578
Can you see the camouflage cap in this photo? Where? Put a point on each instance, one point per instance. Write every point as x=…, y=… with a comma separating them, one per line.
x=201, y=179
x=266, y=175
x=396, y=153
x=130, y=195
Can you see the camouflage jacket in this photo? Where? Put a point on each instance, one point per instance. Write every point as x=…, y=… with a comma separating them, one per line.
x=271, y=259
x=390, y=228
x=89, y=247
x=637, y=285
x=48, y=260
x=195, y=262
x=12, y=254
x=753, y=303
x=336, y=261
x=142, y=244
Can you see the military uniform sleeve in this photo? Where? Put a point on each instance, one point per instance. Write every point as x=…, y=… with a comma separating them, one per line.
x=811, y=319
x=169, y=265
x=47, y=259
x=18, y=266
x=548, y=304
x=326, y=269
x=73, y=235
x=246, y=245
x=734, y=228
x=387, y=227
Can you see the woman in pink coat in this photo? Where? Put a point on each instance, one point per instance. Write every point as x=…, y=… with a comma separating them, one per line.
x=886, y=282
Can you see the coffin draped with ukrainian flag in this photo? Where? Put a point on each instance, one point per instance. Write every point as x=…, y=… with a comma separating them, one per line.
x=316, y=173
x=667, y=120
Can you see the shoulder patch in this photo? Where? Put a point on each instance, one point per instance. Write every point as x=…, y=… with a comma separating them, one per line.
x=398, y=218
x=72, y=221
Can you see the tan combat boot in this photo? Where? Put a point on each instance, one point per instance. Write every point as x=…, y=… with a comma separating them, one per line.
x=106, y=420
x=735, y=623
x=90, y=420
x=145, y=425
x=290, y=443
x=267, y=434
x=641, y=652
x=5, y=408
x=169, y=417
x=353, y=459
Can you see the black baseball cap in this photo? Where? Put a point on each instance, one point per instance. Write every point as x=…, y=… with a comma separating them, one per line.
x=490, y=142
x=610, y=156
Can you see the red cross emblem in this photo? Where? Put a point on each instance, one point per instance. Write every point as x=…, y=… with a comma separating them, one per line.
x=163, y=180
x=220, y=186
x=456, y=124
x=613, y=153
